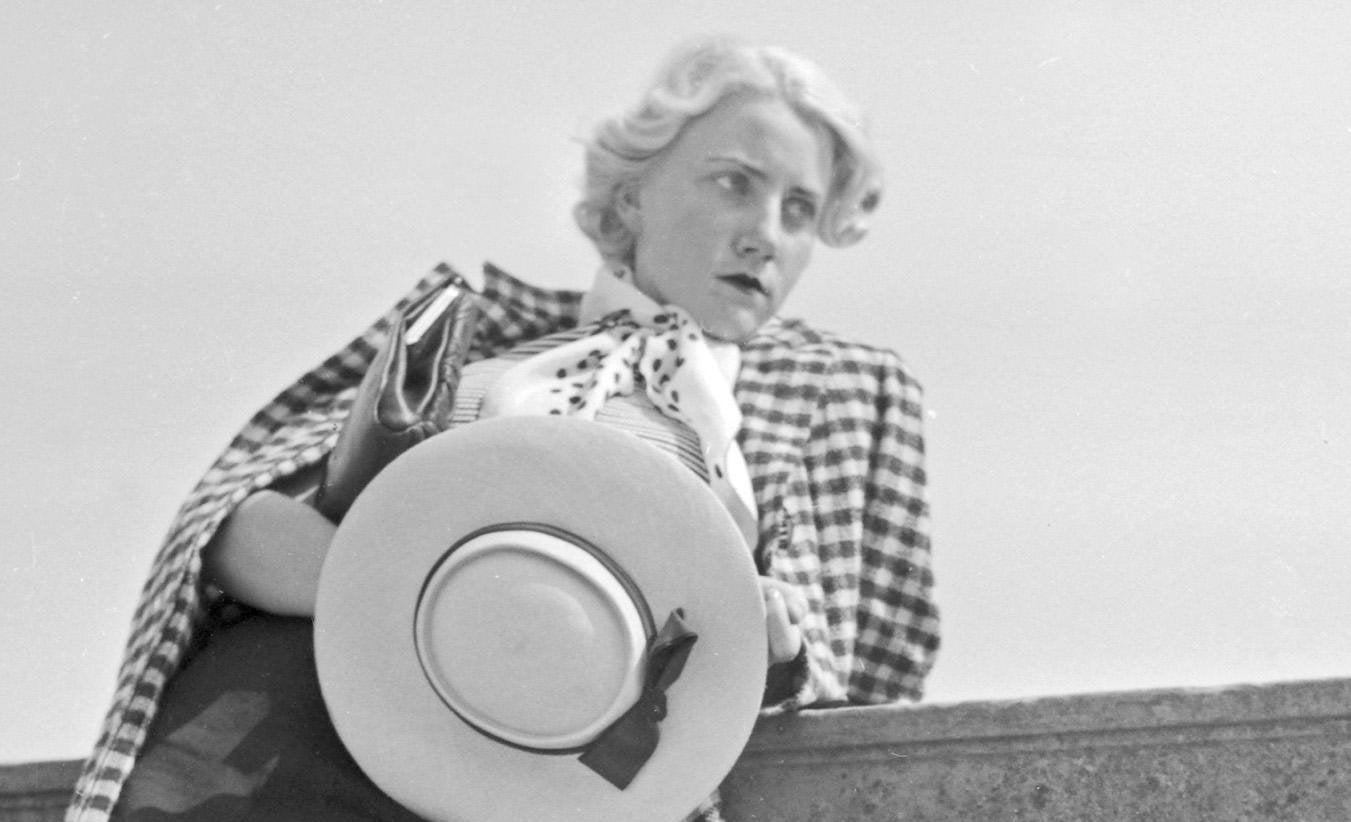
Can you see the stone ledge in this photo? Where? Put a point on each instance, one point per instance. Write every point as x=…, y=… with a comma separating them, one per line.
x=1239, y=753
x=1268, y=752
x=36, y=791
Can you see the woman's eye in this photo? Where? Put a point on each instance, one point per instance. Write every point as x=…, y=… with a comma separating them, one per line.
x=733, y=181
x=798, y=211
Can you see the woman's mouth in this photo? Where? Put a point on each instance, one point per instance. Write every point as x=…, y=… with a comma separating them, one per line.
x=745, y=283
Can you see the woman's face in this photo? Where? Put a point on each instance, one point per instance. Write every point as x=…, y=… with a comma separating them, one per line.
x=725, y=219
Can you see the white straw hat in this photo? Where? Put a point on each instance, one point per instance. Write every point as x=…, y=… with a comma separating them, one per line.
x=503, y=627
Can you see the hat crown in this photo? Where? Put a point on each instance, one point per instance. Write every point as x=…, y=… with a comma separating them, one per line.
x=532, y=636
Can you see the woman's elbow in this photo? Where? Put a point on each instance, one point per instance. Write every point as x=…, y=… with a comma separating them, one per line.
x=268, y=553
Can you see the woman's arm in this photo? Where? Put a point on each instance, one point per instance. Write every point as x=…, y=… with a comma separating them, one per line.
x=268, y=554
x=898, y=625
x=860, y=552
x=269, y=551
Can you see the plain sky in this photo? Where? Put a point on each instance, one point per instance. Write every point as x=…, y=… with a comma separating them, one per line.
x=1115, y=248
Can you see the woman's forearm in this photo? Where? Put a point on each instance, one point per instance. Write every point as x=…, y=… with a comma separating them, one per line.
x=268, y=554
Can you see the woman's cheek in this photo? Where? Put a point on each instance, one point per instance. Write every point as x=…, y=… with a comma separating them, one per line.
x=794, y=266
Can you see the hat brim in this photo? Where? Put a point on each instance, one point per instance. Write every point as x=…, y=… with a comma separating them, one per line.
x=662, y=525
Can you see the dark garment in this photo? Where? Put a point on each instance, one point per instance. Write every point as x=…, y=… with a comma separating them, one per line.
x=243, y=734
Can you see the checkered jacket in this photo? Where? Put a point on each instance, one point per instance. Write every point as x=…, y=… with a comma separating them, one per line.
x=832, y=437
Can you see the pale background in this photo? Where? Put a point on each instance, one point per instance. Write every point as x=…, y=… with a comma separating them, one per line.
x=1115, y=249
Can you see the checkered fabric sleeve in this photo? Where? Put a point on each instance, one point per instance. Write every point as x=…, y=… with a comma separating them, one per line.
x=514, y=312
x=834, y=431
x=296, y=429
x=897, y=621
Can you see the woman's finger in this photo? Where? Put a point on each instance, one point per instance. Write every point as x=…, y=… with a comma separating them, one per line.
x=794, y=600
x=797, y=604
x=785, y=639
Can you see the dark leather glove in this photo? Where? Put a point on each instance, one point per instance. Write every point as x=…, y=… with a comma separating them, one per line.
x=406, y=396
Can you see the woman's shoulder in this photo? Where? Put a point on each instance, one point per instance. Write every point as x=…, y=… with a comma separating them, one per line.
x=790, y=341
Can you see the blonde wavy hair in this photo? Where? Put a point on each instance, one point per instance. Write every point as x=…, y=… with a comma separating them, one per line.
x=695, y=79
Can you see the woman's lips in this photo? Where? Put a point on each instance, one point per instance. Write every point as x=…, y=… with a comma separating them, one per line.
x=745, y=283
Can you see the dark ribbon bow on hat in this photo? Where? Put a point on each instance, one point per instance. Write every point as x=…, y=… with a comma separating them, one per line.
x=622, y=749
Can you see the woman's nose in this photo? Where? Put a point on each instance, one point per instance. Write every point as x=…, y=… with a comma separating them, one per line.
x=758, y=236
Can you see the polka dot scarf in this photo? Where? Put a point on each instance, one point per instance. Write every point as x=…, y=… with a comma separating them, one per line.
x=664, y=355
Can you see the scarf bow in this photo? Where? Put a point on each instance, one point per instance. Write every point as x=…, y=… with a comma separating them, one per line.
x=670, y=361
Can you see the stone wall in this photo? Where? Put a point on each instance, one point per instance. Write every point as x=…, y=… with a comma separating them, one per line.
x=36, y=791
x=1270, y=752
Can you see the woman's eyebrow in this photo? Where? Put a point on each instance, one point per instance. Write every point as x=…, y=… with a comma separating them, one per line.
x=739, y=160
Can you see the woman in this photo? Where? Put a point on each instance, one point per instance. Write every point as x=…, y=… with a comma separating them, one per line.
x=705, y=203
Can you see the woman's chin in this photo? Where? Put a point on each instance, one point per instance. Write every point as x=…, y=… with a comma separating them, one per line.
x=728, y=334
x=733, y=326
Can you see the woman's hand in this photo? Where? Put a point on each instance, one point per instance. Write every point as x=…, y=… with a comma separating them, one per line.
x=785, y=606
